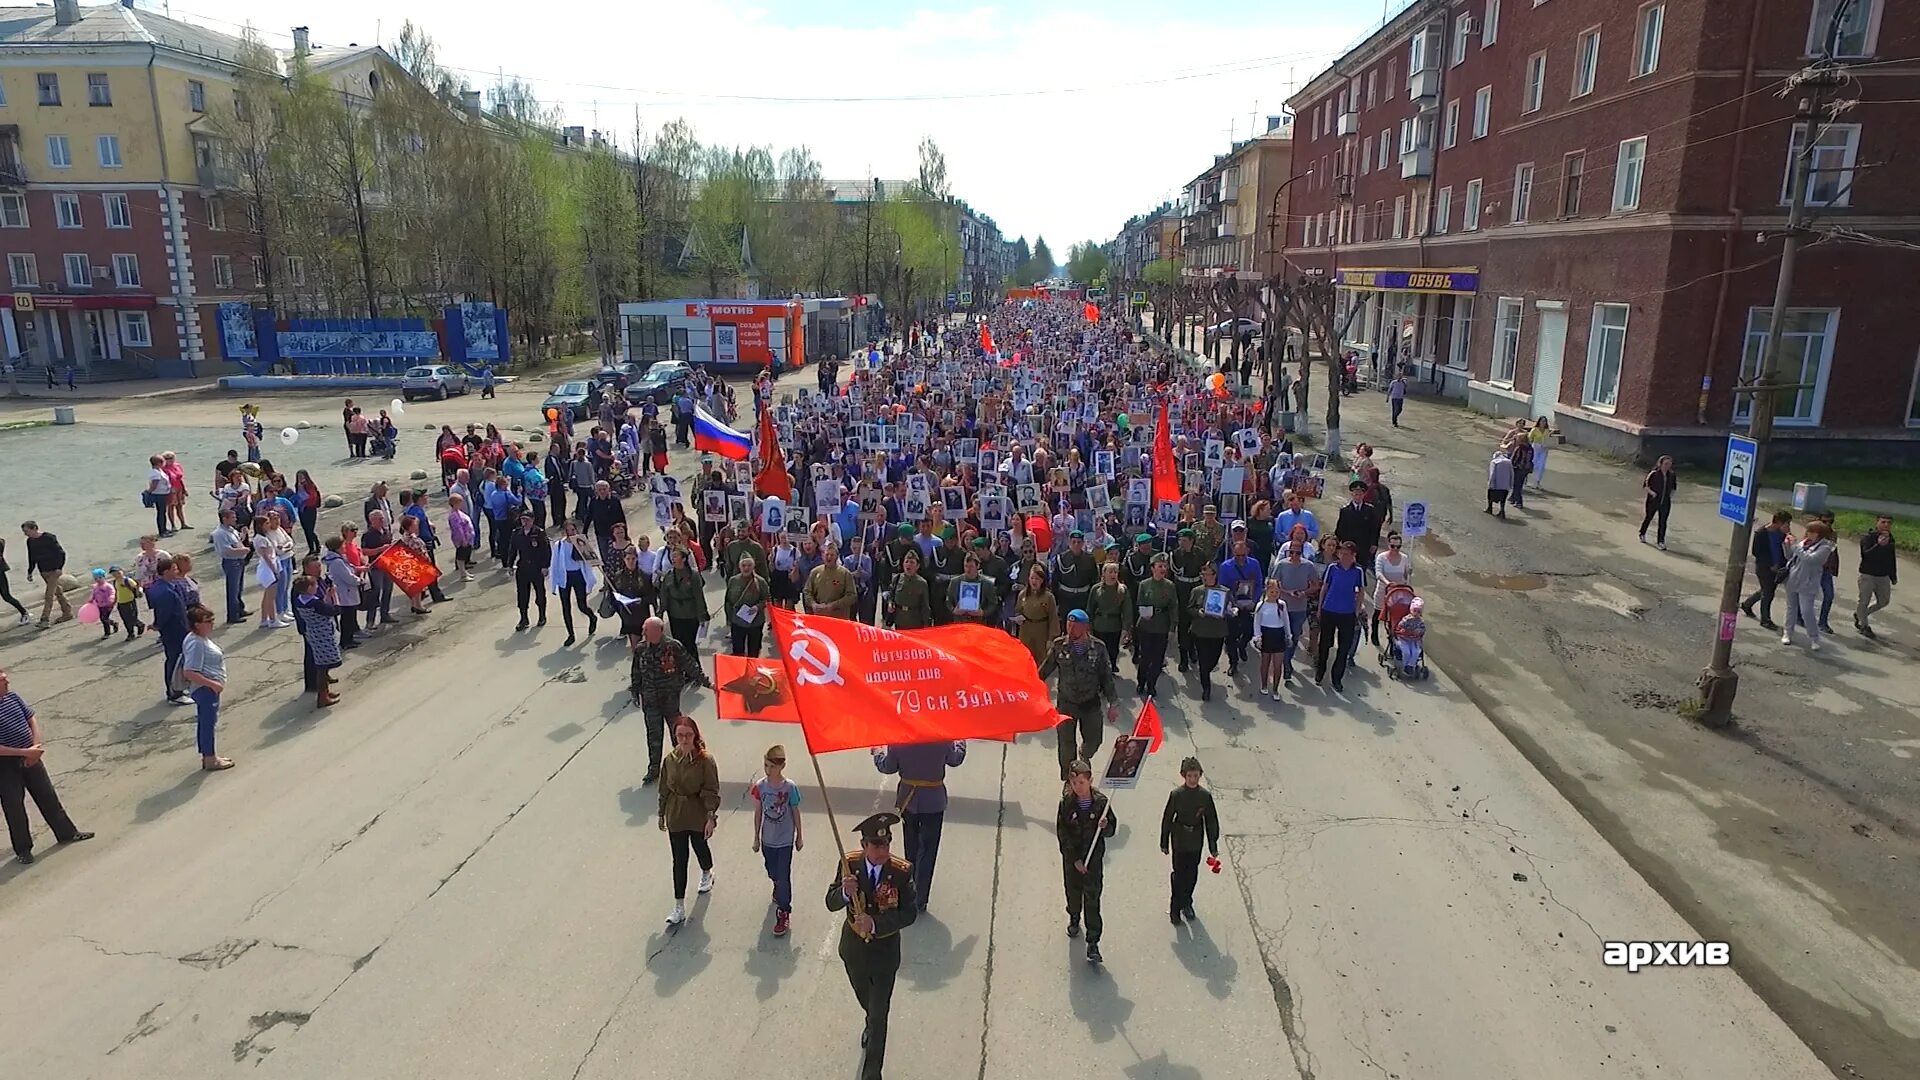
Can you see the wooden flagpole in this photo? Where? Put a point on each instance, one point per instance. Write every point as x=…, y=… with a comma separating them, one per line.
x=833, y=821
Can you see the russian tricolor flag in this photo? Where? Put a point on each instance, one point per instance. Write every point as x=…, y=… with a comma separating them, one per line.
x=710, y=436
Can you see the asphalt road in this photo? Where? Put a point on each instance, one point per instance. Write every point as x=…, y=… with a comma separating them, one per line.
x=455, y=873
x=1793, y=835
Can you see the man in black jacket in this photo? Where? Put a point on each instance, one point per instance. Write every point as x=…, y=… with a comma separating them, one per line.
x=603, y=511
x=47, y=558
x=1360, y=522
x=1879, y=573
x=1083, y=823
x=1769, y=566
x=532, y=555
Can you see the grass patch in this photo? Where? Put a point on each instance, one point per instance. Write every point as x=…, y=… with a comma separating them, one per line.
x=21, y=425
x=1888, y=485
x=1852, y=524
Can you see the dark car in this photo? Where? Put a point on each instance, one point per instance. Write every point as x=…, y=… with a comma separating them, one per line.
x=617, y=376
x=571, y=396
x=658, y=385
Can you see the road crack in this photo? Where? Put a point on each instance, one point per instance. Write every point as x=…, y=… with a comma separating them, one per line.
x=993, y=911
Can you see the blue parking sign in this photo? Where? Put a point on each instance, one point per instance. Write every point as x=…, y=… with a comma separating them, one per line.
x=1738, y=482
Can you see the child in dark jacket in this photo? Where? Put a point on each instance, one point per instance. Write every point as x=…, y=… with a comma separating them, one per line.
x=1188, y=821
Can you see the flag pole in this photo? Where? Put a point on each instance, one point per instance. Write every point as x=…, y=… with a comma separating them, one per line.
x=833, y=821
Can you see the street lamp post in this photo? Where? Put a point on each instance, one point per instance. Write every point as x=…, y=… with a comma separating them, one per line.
x=1274, y=222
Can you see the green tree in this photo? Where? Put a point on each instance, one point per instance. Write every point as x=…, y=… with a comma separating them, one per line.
x=1043, y=265
x=1086, y=262
x=247, y=155
x=610, y=239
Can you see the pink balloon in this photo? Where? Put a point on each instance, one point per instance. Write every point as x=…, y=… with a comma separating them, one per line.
x=88, y=613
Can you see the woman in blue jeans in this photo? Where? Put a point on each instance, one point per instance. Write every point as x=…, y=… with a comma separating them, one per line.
x=204, y=667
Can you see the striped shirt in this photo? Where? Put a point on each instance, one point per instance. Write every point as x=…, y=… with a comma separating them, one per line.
x=15, y=730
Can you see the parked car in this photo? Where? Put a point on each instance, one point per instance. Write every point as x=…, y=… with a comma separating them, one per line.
x=659, y=383
x=434, y=381
x=1246, y=328
x=669, y=365
x=618, y=376
x=571, y=396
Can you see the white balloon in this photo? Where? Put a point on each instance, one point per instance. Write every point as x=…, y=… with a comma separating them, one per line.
x=396, y=406
x=289, y=436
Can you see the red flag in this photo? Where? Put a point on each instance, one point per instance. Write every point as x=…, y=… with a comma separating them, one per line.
x=772, y=480
x=1166, y=471
x=858, y=686
x=1148, y=727
x=1093, y=311
x=986, y=338
x=747, y=688
x=412, y=572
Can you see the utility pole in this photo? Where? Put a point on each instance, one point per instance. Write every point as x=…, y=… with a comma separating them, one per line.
x=1720, y=682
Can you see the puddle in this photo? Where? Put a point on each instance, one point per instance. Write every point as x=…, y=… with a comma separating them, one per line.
x=1435, y=546
x=1506, y=582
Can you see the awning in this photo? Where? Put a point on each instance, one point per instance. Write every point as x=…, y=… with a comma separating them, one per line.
x=29, y=301
x=1448, y=281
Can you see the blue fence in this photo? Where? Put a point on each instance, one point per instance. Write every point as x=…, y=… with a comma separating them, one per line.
x=474, y=334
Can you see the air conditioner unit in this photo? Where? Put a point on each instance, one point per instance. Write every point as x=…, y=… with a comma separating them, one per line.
x=1472, y=25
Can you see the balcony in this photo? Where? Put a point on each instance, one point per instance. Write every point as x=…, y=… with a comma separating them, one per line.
x=1228, y=196
x=1348, y=124
x=1417, y=164
x=1343, y=188
x=1225, y=231
x=216, y=177
x=1424, y=87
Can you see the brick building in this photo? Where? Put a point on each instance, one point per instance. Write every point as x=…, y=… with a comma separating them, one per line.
x=1573, y=210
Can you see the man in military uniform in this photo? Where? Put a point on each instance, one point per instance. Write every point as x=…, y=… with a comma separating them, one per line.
x=889, y=557
x=1086, y=679
x=1187, y=561
x=909, y=600
x=921, y=800
x=831, y=588
x=743, y=546
x=1155, y=603
x=948, y=562
x=876, y=891
x=984, y=606
x=1083, y=823
x=1074, y=573
x=1138, y=564
x=993, y=568
x=662, y=667
x=1209, y=534
x=860, y=565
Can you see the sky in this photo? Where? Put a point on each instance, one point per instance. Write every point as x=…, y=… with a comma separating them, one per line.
x=1057, y=119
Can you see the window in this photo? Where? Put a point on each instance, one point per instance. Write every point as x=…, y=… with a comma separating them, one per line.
x=59, y=153
x=253, y=218
x=1462, y=30
x=1536, y=91
x=196, y=95
x=1386, y=148
x=1417, y=53
x=1490, y=26
x=1522, y=192
x=3, y=96
x=1461, y=339
x=1399, y=216
x=108, y=147
x=66, y=210
x=13, y=211
x=79, y=274
x=49, y=84
x=1913, y=398
x=1627, y=173
x=216, y=215
x=98, y=91
x=1373, y=88
x=296, y=270
x=25, y=274
x=1606, y=352
x=1452, y=127
x=1366, y=155
x=126, y=271
x=1831, y=182
x=1806, y=351
x=259, y=266
x=1646, y=49
x=223, y=271
x=1855, y=36
x=1482, y=111
x=1506, y=339
x=1573, y=169
x=1442, y=210
x=1393, y=77
x=1586, y=61
x=135, y=329
x=1470, y=213
x=119, y=211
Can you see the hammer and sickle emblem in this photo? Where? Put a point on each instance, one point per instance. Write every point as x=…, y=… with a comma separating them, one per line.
x=815, y=670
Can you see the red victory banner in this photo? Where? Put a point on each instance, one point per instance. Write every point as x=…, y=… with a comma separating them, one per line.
x=772, y=479
x=1092, y=311
x=411, y=572
x=858, y=686
x=749, y=688
x=1166, y=471
x=1148, y=727
x=986, y=338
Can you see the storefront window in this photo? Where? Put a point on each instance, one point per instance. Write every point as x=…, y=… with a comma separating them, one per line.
x=1460, y=335
x=646, y=338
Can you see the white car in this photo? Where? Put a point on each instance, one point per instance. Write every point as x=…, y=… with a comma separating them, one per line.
x=432, y=380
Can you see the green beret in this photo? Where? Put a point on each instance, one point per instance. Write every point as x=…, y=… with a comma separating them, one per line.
x=1143, y=538
x=904, y=530
x=1186, y=534
x=981, y=541
x=1076, y=535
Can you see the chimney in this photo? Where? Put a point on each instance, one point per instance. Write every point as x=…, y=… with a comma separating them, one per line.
x=470, y=101
x=575, y=135
x=299, y=41
x=66, y=12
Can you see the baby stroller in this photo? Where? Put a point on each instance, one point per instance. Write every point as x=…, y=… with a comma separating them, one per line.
x=620, y=479
x=1403, y=653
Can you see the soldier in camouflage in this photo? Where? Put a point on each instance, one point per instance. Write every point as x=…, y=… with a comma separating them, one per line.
x=1086, y=680
x=662, y=667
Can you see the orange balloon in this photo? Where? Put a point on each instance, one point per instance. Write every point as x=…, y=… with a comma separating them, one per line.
x=553, y=414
